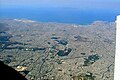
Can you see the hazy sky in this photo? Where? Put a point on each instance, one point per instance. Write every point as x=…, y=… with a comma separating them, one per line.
x=113, y=4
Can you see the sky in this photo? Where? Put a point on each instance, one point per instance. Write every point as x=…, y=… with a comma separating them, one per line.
x=110, y=4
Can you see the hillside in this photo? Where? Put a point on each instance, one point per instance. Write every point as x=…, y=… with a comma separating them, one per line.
x=56, y=51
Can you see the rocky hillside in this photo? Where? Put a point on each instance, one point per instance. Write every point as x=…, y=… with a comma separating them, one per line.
x=56, y=51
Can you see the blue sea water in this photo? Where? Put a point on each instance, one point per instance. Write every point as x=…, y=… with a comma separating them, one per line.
x=62, y=15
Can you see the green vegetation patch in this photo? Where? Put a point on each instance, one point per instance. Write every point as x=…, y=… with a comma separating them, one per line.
x=91, y=59
x=84, y=76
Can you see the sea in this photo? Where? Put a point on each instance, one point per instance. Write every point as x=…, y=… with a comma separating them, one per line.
x=61, y=15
